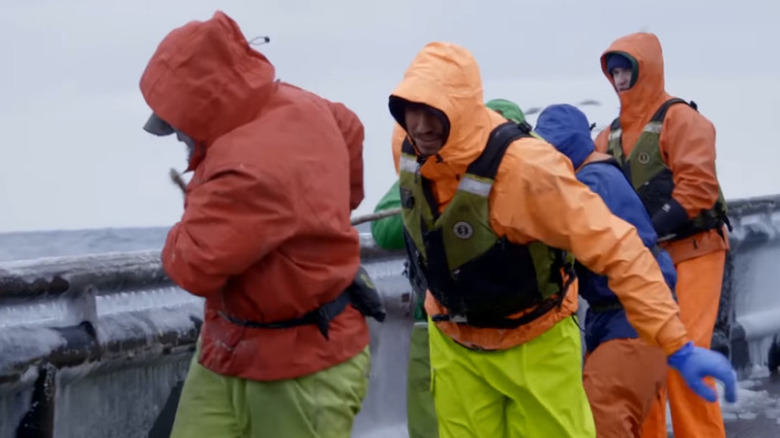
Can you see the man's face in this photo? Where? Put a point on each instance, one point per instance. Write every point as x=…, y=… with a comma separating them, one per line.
x=622, y=78
x=425, y=130
x=187, y=140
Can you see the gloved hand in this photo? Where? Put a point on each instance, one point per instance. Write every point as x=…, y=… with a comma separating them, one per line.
x=695, y=363
x=365, y=297
x=669, y=218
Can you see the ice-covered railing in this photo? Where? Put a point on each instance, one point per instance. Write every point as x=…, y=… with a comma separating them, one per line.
x=92, y=345
x=68, y=322
x=750, y=308
x=756, y=221
x=98, y=345
x=70, y=310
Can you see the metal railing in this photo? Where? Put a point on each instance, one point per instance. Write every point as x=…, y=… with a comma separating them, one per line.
x=99, y=345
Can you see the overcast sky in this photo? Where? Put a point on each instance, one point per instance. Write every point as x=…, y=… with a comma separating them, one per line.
x=73, y=155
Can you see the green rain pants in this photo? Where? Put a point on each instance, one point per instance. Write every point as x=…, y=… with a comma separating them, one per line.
x=318, y=405
x=533, y=390
x=421, y=413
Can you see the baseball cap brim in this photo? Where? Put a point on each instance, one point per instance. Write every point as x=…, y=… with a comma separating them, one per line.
x=157, y=126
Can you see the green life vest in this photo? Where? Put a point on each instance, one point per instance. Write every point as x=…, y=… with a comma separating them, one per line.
x=652, y=178
x=480, y=277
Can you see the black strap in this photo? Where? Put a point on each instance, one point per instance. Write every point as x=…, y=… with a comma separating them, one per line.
x=725, y=218
x=511, y=323
x=430, y=198
x=611, y=160
x=525, y=127
x=660, y=113
x=605, y=307
x=506, y=323
x=486, y=165
x=320, y=316
x=407, y=148
x=414, y=268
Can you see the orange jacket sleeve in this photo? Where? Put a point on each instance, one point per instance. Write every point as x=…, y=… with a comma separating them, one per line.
x=226, y=228
x=352, y=130
x=688, y=145
x=399, y=135
x=537, y=197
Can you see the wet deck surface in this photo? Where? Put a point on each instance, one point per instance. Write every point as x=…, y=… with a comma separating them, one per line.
x=757, y=413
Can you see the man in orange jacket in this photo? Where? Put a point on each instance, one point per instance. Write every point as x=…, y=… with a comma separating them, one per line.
x=265, y=238
x=389, y=233
x=490, y=213
x=667, y=150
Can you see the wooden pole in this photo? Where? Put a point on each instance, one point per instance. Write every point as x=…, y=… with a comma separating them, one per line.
x=178, y=180
x=375, y=216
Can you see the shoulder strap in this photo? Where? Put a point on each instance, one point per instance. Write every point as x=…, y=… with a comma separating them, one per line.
x=608, y=159
x=613, y=161
x=605, y=159
x=407, y=147
x=430, y=198
x=661, y=113
x=486, y=165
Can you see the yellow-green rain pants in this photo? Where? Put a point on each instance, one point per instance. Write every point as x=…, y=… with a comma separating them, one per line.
x=533, y=390
x=318, y=405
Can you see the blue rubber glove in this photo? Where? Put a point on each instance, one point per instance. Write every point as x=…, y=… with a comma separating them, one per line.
x=695, y=363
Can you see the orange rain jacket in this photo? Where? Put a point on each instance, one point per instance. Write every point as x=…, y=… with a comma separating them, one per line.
x=266, y=233
x=535, y=197
x=687, y=140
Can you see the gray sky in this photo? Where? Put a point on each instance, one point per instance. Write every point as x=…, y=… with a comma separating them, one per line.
x=73, y=154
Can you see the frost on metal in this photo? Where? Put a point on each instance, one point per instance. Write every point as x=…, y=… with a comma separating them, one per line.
x=74, y=274
x=116, y=335
x=750, y=308
x=23, y=346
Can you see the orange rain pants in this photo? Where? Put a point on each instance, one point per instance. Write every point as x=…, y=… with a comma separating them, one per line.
x=622, y=378
x=699, y=282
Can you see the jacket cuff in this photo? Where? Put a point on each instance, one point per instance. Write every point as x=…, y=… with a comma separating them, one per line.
x=672, y=336
x=677, y=359
x=669, y=218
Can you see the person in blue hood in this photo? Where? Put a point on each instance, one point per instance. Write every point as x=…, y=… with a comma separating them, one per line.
x=622, y=374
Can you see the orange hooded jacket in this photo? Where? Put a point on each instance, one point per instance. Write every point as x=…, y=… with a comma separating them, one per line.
x=399, y=135
x=265, y=235
x=687, y=140
x=535, y=197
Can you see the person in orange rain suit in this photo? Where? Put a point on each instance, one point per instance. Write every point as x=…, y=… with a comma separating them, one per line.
x=389, y=234
x=671, y=163
x=489, y=224
x=265, y=238
x=622, y=373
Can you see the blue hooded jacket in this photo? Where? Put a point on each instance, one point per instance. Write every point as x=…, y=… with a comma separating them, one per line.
x=567, y=128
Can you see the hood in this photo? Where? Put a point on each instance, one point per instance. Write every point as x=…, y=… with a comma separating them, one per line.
x=639, y=103
x=508, y=109
x=566, y=128
x=446, y=77
x=205, y=80
x=353, y=133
